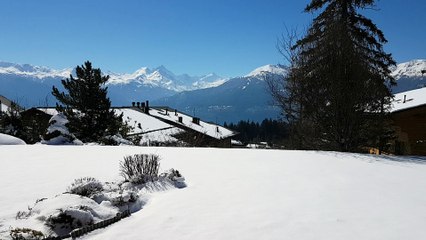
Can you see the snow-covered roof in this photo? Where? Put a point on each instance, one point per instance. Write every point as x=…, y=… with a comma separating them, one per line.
x=4, y=104
x=409, y=99
x=50, y=111
x=209, y=129
x=147, y=122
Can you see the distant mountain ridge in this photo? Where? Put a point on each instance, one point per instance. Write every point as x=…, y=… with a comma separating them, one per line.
x=210, y=97
x=409, y=75
x=31, y=85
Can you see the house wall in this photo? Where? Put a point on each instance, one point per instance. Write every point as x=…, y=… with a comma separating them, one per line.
x=410, y=129
x=4, y=104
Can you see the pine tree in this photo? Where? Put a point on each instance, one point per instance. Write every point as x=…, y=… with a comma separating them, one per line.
x=340, y=81
x=86, y=105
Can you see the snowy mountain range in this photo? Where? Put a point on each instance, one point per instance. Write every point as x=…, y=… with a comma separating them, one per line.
x=240, y=98
x=210, y=97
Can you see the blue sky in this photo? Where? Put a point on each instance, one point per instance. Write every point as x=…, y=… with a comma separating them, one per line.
x=228, y=37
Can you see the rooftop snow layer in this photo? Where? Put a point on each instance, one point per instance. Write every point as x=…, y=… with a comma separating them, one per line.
x=413, y=98
x=210, y=129
x=147, y=122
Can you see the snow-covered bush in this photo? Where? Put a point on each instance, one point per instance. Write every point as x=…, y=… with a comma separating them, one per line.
x=116, y=140
x=176, y=177
x=86, y=186
x=140, y=168
x=58, y=133
x=25, y=233
x=70, y=218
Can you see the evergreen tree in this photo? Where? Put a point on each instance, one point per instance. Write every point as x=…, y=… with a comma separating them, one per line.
x=338, y=88
x=87, y=107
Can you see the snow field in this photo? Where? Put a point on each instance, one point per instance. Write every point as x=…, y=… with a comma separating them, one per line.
x=237, y=193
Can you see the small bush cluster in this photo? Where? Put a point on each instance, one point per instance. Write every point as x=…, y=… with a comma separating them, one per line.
x=70, y=218
x=86, y=186
x=105, y=198
x=25, y=233
x=140, y=168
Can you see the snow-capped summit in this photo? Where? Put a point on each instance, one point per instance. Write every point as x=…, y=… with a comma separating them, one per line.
x=409, y=75
x=32, y=71
x=410, y=69
x=267, y=69
x=162, y=77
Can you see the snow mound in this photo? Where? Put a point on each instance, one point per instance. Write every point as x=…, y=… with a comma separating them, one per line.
x=10, y=140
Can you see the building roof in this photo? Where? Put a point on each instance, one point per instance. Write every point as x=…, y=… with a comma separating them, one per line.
x=158, y=120
x=209, y=129
x=409, y=99
x=5, y=104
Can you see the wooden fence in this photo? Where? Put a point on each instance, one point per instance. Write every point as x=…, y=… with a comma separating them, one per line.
x=86, y=229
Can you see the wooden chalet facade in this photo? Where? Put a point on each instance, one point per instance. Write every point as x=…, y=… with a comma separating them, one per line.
x=409, y=119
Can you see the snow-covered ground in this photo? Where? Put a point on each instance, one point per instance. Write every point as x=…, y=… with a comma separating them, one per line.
x=236, y=193
x=10, y=140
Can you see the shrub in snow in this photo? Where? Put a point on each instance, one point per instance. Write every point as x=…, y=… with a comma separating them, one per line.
x=25, y=233
x=86, y=187
x=58, y=133
x=140, y=168
x=176, y=177
x=70, y=218
x=115, y=140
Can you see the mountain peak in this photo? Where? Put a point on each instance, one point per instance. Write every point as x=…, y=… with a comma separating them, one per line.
x=267, y=69
x=412, y=68
x=39, y=72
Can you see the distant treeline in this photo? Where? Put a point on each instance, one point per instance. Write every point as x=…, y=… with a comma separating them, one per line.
x=272, y=131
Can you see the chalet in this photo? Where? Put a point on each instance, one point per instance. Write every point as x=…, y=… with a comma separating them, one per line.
x=162, y=126
x=409, y=118
x=5, y=104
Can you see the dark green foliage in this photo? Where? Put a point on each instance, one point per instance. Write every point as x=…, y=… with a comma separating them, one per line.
x=11, y=122
x=271, y=131
x=86, y=105
x=338, y=87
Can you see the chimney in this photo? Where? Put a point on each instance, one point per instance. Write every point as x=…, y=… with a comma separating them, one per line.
x=138, y=104
x=142, y=105
x=175, y=112
x=180, y=119
x=167, y=111
x=196, y=120
x=217, y=128
x=133, y=104
x=147, y=107
x=405, y=98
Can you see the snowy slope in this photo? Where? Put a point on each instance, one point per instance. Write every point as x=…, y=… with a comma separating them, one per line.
x=236, y=193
